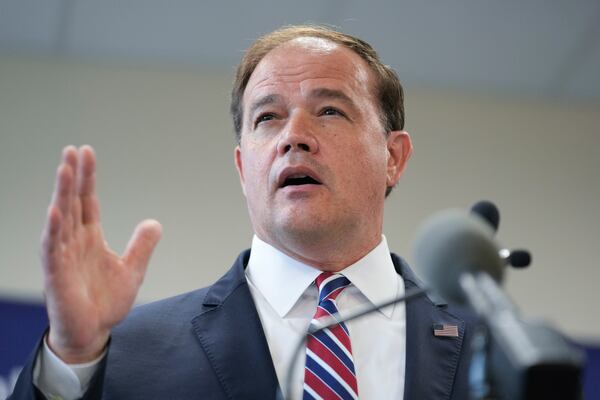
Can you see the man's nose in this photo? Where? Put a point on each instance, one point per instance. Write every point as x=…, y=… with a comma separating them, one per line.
x=298, y=135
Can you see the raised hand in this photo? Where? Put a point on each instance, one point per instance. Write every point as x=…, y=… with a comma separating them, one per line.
x=89, y=288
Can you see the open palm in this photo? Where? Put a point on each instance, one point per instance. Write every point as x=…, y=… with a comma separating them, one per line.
x=89, y=288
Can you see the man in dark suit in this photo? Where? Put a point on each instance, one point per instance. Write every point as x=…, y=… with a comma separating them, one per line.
x=319, y=122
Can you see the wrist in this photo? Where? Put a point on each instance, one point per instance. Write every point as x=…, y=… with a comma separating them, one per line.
x=78, y=354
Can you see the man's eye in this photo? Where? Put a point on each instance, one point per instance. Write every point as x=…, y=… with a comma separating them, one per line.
x=331, y=111
x=264, y=118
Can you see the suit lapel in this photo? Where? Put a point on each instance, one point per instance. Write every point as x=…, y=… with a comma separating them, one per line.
x=244, y=367
x=431, y=361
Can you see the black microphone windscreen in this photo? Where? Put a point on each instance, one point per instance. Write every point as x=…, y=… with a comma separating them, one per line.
x=520, y=258
x=488, y=211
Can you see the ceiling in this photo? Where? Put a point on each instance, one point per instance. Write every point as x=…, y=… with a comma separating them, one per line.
x=548, y=48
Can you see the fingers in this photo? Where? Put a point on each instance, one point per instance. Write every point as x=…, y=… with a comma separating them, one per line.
x=75, y=187
x=86, y=186
x=140, y=246
x=75, y=174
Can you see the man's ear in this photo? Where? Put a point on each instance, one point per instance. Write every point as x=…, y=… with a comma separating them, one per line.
x=237, y=156
x=399, y=148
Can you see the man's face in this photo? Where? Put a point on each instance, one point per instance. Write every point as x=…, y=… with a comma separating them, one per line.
x=314, y=161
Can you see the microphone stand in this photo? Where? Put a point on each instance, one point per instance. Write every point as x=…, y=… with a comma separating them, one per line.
x=330, y=322
x=513, y=358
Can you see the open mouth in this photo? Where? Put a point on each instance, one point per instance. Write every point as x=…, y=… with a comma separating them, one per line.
x=299, y=179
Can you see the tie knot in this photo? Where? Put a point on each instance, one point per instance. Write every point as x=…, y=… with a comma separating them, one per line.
x=330, y=285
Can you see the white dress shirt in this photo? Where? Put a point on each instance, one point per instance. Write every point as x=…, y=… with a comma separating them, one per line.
x=286, y=300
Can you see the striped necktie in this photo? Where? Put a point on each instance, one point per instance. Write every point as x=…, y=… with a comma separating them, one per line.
x=329, y=371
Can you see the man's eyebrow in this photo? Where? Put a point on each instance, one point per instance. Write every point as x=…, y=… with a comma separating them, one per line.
x=323, y=93
x=332, y=94
x=263, y=101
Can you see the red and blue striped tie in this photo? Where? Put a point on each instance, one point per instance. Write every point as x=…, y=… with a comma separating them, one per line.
x=329, y=371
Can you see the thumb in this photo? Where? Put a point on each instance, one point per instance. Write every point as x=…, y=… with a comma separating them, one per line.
x=140, y=246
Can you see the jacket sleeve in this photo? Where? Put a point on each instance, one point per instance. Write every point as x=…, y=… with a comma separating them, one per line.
x=25, y=389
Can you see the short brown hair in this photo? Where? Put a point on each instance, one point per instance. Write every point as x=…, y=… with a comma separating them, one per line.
x=389, y=90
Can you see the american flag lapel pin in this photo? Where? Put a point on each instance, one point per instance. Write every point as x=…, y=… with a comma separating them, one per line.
x=445, y=330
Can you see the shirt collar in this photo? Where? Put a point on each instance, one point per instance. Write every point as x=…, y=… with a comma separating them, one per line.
x=375, y=277
x=282, y=279
x=278, y=277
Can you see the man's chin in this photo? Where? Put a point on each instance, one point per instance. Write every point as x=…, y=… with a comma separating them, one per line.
x=304, y=226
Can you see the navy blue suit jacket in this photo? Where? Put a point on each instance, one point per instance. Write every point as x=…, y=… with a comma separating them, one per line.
x=209, y=344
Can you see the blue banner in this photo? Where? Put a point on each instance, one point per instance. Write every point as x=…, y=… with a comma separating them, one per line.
x=21, y=326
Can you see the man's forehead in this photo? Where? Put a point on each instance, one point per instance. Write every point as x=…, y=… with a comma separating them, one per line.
x=309, y=58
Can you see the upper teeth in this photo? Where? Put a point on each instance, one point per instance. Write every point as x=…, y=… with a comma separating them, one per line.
x=297, y=176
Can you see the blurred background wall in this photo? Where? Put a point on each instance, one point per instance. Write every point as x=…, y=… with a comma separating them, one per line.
x=502, y=98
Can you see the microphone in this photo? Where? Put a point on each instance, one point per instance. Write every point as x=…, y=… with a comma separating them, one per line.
x=486, y=210
x=458, y=257
x=517, y=258
x=451, y=243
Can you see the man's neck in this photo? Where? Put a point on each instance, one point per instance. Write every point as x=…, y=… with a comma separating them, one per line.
x=330, y=256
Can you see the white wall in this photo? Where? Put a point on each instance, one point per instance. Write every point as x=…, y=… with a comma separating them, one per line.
x=165, y=143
